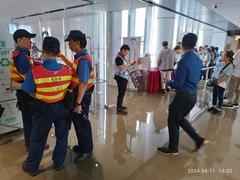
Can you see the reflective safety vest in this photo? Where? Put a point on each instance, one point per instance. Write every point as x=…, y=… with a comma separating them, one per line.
x=51, y=86
x=15, y=74
x=75, y=79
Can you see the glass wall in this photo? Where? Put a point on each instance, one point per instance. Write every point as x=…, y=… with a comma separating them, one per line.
x=110, y=23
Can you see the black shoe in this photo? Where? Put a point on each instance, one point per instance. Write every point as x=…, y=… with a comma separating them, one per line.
x=123, y=107
x=168, y=151
x=122, y=112
x=230, y=106
x=200, y=144
x=83, y=156
x=210, y=109
x=215, y=111
x=57, y=168
x=27, y=171
x=76, y=149
x=235, y=105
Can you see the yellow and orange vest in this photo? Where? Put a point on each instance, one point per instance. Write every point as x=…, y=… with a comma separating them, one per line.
x=75, y=79
x=15, y=74
x=51, y=86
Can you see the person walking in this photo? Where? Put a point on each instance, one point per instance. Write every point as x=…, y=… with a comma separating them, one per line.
x=185, y=83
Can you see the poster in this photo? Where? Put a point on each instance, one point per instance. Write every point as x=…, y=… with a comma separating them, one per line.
x=11, y=117
x=135, y=46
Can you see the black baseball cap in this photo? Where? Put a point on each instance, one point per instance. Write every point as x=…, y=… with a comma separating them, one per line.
x=75, y=34
x=22, y=33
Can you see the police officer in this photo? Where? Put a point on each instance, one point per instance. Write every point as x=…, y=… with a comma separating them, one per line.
x=83, y=85
x=21, y=62
x=48, y=83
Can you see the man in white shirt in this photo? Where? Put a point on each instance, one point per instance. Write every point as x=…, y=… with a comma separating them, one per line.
x=234, y=85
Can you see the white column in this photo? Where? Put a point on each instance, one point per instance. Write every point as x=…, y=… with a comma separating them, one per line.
x=165, y=28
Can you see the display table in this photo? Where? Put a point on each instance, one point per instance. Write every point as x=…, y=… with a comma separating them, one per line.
x=154, y=84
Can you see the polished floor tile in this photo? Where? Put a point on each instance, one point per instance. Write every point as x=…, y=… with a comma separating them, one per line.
x=125, y=147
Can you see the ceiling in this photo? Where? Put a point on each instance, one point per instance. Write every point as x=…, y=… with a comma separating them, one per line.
x=191, y=8
x=228, y=9
x=196, y=10
x=18, y=8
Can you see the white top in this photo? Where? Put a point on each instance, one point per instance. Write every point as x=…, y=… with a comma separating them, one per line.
x=236, y=63
x=177, y=58
x=166, y=59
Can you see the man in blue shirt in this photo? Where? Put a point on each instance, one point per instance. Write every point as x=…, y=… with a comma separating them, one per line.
x=83, y=89
x=185, y=83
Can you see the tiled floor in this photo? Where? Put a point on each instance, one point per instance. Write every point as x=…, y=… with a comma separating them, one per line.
x=125, y=147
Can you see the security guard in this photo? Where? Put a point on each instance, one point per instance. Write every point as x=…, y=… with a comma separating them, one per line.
x=48, y=83
x=83, y=84
x=20, y=64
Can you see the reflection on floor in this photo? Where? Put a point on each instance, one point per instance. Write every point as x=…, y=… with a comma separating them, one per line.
x=125, y=147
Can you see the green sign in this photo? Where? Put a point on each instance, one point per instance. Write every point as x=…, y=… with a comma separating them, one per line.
x=4, y=52
x=2, y=44
x=4, y=62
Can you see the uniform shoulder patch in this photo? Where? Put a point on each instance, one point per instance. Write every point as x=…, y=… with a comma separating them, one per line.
x=16, y=53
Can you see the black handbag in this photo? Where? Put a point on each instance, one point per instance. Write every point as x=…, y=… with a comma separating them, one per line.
x=213, y=82
x=69, y=100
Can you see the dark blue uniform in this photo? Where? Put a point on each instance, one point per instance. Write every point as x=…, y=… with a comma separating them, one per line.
x=23, y=66
x=81, y=121
x=44, y=115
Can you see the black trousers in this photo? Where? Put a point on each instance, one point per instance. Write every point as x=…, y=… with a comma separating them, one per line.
x=44, y=115
x=122, y=87
x=180, y=107
x=24, y=106
x=218, y=95
x=82, y=124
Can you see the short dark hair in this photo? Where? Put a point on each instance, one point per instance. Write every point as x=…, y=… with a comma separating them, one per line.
x=216, y=48
x=125, y=47
x=230, y=55
x=189, y=40
x=165, y=43
x=177, y=47
x=51, y=45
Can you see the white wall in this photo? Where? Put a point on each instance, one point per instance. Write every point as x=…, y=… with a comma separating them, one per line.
x=218, y=40
x=11, y=116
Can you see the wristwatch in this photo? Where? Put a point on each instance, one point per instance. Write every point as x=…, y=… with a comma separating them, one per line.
x=78, y=104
